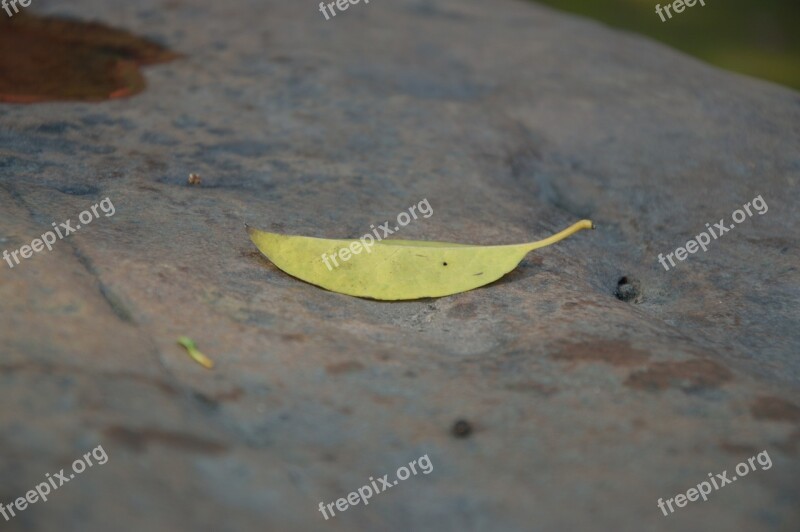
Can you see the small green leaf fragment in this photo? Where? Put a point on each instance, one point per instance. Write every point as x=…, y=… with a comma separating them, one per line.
x=195, y=353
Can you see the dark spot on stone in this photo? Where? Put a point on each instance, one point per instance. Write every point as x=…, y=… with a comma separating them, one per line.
x=444, y=264
x=280, y=166
x=8, y=162
x=106, y=120
x=462, y=428
x=738, y=449
x=243, y=148
x=628, y=290
x=147, y=13
x=140, y=439
x=21, y=166
x=165, y=387
x=188, y=122
x=533, y=387
x=687, y=375
x=158, y=139
x=208, y=403
x=56, y=128
x=614, y=352
x=59, y=59
x=344, y=367
x=220, y=131
x=100, y=150
x=523, y=161
x=78, y=189
x=775, y=409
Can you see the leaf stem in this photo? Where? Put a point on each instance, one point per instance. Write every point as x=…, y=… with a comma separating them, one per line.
x=572, y=229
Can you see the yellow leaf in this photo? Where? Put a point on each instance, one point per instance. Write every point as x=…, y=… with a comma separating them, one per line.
x=396, y=269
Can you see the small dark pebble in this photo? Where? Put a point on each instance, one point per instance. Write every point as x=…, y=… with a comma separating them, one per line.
x=462, y=428
x=627, y=290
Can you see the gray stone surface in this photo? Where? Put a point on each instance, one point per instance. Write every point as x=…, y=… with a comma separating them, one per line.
x=513, y=121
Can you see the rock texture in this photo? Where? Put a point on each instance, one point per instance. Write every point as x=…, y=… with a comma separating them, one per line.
x=513, y=121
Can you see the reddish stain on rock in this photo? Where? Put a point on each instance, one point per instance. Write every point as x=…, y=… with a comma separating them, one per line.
x=533, y=387
x=687, y=375
x=463, y=311
x=583, y=304
x=51, y=59
x=775, y=409
x=139, y=439
x=791, y=445
x=614, y=352
x=344, y=367
x=232, y=395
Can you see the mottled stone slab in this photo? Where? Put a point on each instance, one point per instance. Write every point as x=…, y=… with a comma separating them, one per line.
x=513, y=121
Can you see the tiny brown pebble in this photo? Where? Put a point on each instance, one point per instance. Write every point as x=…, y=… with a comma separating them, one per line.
x=194, y=179
x=462, y=428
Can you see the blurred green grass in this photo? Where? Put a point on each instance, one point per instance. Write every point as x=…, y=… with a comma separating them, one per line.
x=756, y=37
